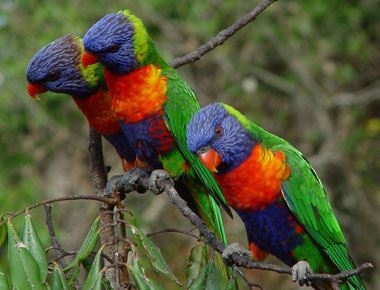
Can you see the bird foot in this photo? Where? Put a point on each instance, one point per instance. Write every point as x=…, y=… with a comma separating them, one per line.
x=128, y=182
x=113, y=185
x=299, y=272
x=157, y=179
x=233, y=250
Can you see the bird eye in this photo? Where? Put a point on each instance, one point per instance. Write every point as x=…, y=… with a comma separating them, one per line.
x=218, y=130
x=52, y=77
x=89, y=51
x=113, y=48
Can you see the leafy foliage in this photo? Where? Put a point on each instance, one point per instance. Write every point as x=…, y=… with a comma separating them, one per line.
x=28, y=265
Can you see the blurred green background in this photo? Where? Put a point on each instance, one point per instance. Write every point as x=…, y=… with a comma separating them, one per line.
x=308, y=71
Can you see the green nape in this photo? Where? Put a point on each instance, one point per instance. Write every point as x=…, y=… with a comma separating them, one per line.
x=93, y=74
x=241, y=118
x=140, y=36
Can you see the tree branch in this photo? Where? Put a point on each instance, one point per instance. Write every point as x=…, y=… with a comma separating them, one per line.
x=178, y=231
x=59, y=252
x=222, y=36
x=54, y=200
x=99, y=180
x=166, y=184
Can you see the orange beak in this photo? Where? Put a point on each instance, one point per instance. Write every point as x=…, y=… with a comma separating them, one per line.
x=211, y=159
x=34, y=90
x=88, y=59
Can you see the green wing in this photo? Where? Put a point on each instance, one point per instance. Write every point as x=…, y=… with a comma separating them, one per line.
x=179, y=109
x=307, y=200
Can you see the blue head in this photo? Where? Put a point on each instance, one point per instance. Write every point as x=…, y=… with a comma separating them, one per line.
x=215, y=129
x=57, y=67
x=119, y=41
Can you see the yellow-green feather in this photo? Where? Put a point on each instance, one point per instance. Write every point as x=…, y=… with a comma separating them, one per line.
x=91, y=73
x=140, y=36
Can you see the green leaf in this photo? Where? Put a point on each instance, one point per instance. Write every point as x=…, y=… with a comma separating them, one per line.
x=131, y=219
x=138, y=271
x=106, y=284
x=74, y=275
x=138, y=241
x=92, y=277
x=24, y=270
x=194, y=267
x=213, y=279
x=142, y=282
x=200, y=281
x=232, y=284
x=98, y=282
x=58, y=280
x=47, y=286
x=4, y=283
x=87, y=246
x=34, y=245
x=155, y=256
x=3, y=231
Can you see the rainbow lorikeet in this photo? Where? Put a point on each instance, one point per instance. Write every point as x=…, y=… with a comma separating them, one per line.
x=57, y=67
x=153, y=104
x=273, y=189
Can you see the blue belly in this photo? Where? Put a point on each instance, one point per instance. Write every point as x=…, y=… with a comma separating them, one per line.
x=272, y=230
x=123, y=145
x=147, y=139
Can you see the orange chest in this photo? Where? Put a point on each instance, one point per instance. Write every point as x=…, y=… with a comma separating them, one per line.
x=256, y=183
x=137, y=95
x=99, y=113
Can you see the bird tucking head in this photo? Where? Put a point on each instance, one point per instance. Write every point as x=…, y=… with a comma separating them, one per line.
x=119, y=41
x=57, y=67
x=219, y=139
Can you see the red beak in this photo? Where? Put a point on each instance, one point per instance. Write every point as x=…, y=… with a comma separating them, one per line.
x=88, y=59
x=33, y=90
x=211, y=159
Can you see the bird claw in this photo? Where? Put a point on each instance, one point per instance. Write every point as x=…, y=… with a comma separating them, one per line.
x=157, y=179
x=128, y=182
x=237, y=249
x=113, y=185
x=299, y=272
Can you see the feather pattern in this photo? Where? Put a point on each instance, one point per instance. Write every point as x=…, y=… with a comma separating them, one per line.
x=57, y=66
x=142, y=86
x=275, y=191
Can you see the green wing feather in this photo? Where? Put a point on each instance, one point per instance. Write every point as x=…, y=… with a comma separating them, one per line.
x=307, y=200
x=179, y=109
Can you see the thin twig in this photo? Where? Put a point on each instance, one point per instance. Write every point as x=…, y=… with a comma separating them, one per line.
x=362, y=97
x=54, y=200
x=188, y=233
x=126, y=243
x=59, y=252
x=70, y=253
x=222, y=36
x=249, y=283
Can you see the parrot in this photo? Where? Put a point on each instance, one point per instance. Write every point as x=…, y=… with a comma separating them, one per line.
x=153, y=105
x=274, y=190
x=57, y=67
